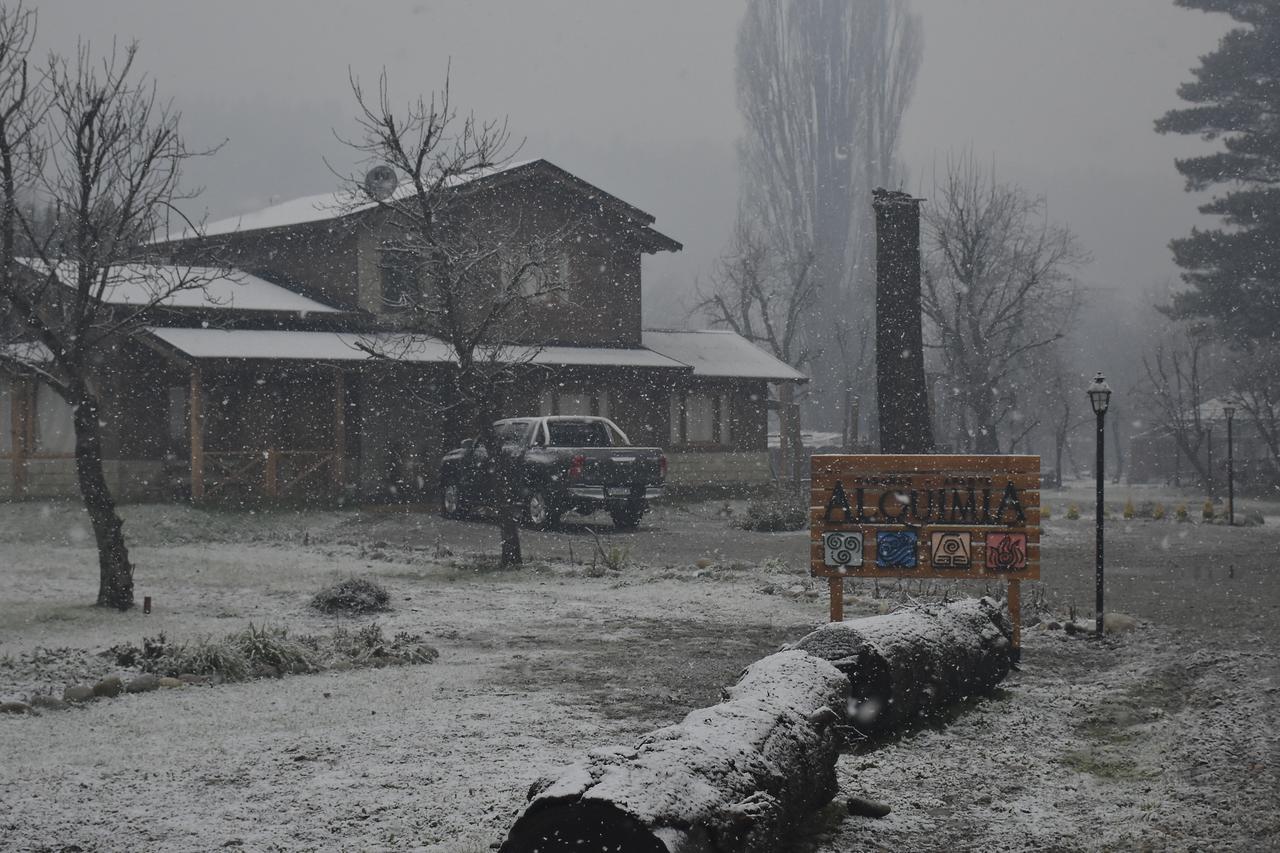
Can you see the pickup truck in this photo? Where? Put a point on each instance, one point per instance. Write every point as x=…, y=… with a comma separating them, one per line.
x=561, y=463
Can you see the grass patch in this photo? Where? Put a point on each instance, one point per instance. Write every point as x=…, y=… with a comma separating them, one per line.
x=353, y=595
x=774, y=514
x=270, y=652
x=1096, y=763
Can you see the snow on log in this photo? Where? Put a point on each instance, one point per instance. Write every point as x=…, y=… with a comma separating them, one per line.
x=918, y=661
x=737, y=776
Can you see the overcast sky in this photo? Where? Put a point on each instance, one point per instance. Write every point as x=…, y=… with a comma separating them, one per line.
x=638, y=97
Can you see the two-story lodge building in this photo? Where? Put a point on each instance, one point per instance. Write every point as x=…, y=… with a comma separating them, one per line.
x=262, y=383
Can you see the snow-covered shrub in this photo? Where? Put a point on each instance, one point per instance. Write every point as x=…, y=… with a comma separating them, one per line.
x=774, y=513
x=353, y=595
x=203, y=656
x=1129, y=509
x=129, y=656
x=368, y=646
x=1073, y=512
x=1157, y=512
x=1206, y=512
x=1181, y=513
x=270, y=651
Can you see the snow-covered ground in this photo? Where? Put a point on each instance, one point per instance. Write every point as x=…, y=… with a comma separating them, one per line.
x=1165, y=738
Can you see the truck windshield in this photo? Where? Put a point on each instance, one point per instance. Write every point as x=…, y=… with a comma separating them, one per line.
x=516, y=432
x=579, y=434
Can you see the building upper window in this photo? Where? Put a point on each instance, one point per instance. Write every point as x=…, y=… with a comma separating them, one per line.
x=399, y=280
x=545, y=279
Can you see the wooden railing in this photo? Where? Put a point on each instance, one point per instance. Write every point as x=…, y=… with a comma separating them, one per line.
x=270, y=473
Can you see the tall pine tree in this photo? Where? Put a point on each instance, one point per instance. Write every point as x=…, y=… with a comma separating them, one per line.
x=1234, y=271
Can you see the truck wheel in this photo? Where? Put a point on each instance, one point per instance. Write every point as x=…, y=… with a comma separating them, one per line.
x=538, y=512
x=451, y=503
x=627, y=516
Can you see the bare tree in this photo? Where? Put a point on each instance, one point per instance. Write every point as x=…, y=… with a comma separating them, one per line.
x=1175, y=391
x=476, y=270
x=1255, y=386
x=763, y=292
x=998, y=286
x=89, y=140
x=1059, y=414
x=822, y=87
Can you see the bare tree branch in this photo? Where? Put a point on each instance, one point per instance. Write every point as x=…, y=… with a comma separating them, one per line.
x=998, y=286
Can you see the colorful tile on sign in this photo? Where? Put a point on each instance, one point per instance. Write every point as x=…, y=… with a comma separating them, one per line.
x=1006, y=552
x=843, y=549
x=951, y=550
x=896, y=549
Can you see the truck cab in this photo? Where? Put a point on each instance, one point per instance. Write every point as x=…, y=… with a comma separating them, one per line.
x=561, y=463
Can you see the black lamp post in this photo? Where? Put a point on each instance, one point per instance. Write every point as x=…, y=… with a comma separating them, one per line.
x=1230, y=411
x=1099, y=397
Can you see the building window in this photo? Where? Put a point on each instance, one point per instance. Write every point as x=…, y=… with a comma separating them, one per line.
x=574, y=401
x=178, y=415
x=55, y=432
x=701, y=419
x=399, y=280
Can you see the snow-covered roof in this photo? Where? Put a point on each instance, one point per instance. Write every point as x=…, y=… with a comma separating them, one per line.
x=321, y=207
x=352, y=200
x=1215, y=410
x=347, y=346
x=25, y=352
x=202, y=287
x=720, y=353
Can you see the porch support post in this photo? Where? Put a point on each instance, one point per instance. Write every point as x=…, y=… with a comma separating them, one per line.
x=22, y=399
x=271, y=473
x=339, y=430
x=196, y=414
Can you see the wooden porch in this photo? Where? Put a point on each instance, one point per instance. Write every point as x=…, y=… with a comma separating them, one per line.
x=277, y=434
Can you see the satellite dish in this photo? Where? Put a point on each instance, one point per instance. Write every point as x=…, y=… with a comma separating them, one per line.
x=380, y=182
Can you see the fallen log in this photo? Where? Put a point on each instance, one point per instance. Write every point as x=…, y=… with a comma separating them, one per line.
x=916, y=662
x=733, y=778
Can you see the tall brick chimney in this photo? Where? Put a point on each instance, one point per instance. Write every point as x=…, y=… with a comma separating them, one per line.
x=900, y=384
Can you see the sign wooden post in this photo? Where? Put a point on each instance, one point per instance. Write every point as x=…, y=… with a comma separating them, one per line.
x=926, y=516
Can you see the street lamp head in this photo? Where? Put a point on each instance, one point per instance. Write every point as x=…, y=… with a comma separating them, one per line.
x=1229, y=410
x=1099, y=394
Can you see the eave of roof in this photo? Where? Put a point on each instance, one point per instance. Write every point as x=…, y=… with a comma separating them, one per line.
x=325, y=346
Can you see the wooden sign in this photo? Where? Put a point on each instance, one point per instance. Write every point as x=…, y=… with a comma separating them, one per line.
x=926, y=516
x=935, y=516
